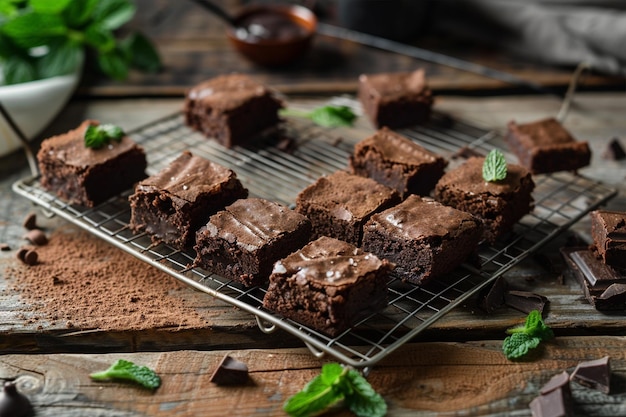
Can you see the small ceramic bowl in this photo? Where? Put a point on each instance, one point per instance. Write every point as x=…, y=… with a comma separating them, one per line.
x=273, y=35
x=32, y=106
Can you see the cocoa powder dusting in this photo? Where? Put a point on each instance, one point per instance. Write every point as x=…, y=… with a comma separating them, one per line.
x=83, y=283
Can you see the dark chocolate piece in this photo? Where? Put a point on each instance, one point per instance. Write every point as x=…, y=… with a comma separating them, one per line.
x=30, y=221
x=230, y=371
x=422, y=237
x=5, y=247
x=328, y=285
x=13, y=403
x=493, y=297
x=395, y=100
x=545, y=146
x=598, y=274
x=613, y=298
x=21, y=254
x=36, y=237
x=608, y=230
x=525, y=301
x=31, y=257
x=88, y=176
x=557, y=381
x=595, y=374
x=498, y=204
x=555, y=399
x=234, y=109
x=614, y=150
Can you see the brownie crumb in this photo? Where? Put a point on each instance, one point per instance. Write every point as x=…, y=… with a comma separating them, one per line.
x=30, y=221
x=614, y=150
x=5, y=247
x=36, y=237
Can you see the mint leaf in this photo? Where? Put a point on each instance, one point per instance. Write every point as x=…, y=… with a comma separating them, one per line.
x=494, y=167
x=18, y=70
x=114, y=64
x=63, y=57
x=34, y=29
x=142, y=53
x=524, y=338
x=111, y=14
x=51, y=7
x=99, y=37
x=364, y=401
x=78, y=13
x=336, y=383
x=126, y=370
x=97, y=136
x=327, y=116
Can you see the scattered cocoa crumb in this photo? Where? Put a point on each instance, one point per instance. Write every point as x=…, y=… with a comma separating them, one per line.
x=5, y=247
x=30, y=221
x=88, y=284
x=36, y=237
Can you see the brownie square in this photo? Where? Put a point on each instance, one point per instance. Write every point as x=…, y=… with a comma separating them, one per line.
x=395, y=100
x=422, y=237
x=608, y=230
x=397, y=162
x=234, y=109
x=545, y=146
x=243, y=241
x=175, y=202
x=328, y=285
x=89, y=176
x=499, y=204
x=339, y=204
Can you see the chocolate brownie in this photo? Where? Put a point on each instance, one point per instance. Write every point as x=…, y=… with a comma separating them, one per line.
x=339, y=204
x=422, y=237
x=397, y=162
x=234, y=109
x=89, y=176
x=175, y=202
x=395, y=100
x=328, y=285
x=499, y=204
x=243, y=241
x=608, y=230
x=546, y=146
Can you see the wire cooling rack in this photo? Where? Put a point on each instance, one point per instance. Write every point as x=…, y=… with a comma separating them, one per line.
x=278, y=172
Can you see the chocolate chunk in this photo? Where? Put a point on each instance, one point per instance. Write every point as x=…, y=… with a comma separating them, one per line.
x=13, y=403
x=21, y=254
x=555, y=399
x=613, y=298
x=493, y=298
x=595, y=374
x=5, y=247
x=31, y=257
x=30, y=221
x=614, y=150
x=525, y=301
x=286, y=144
x=230, y=372
x=595, y=271
x=36, y=237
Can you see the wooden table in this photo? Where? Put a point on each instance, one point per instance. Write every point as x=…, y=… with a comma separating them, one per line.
x=454, y=368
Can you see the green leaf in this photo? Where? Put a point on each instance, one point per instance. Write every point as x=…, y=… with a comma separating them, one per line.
x=114, y=64
x=111, y=14
x=63, y=58
x=319, y=394
x=100, y=38
x=494, y=167
x=126, y=370
x=79, y=12
x=97, y=136
x=18, y=70
x=143, y=54
x=8, y=8
x=327, y=116
x=518, y=345
x=34, y=29
x=364, y=401
x=50, y=6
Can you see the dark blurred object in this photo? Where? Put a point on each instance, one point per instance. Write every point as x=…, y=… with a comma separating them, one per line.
x=614, y=151
x=400, y=20
x=273, y=35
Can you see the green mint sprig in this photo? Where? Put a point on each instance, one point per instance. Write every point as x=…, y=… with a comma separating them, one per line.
x=327, y=116
x=45, y=38
x=527, y=337
x=333, y=384
x=128, y=371
x=97, y=136
x=494, y=167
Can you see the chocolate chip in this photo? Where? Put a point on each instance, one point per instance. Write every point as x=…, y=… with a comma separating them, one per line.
x=13, y=403
x=230, y=372
x=30, y=221
x=36, y=237
x=21, y=253
x=4, y=247
x=31, y=257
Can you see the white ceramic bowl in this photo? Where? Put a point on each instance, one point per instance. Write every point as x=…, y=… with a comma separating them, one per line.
x=33, y=105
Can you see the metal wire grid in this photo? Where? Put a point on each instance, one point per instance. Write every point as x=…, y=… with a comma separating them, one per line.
x=560, y=200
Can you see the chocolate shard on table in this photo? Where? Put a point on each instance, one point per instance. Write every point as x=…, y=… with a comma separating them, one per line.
x=614, y=150
x=397, y=162
x=89, y=176
x=234, y=109
x=492, y=297
x=608, y=230
x=546, y=146
x=595, y=374
x=230, y=371
x=395, y=100
x=525, y=301
x=555, y=399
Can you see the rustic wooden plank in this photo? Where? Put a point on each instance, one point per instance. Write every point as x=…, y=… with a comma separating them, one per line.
x=451, y=379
